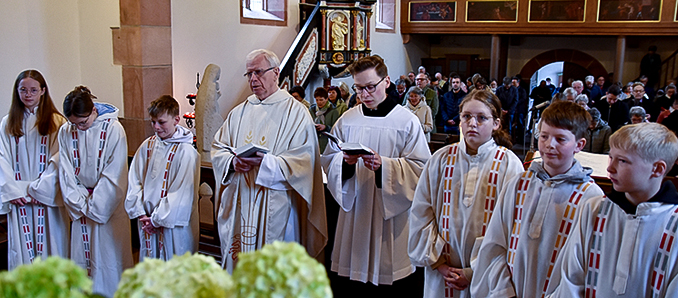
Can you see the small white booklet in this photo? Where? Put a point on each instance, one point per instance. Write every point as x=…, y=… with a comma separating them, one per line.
x=249, y=150
x=349, y=148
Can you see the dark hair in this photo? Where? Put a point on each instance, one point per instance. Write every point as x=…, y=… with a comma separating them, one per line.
x=299, y=90
x=369, y=62
x=336, y=89
x=164, y=105
x=567, y=115
x=614, y=90
x=500, y=136
x=45, y=122
x=79, y=102
x=454, y=75
x=321, y=92
x=507, y=80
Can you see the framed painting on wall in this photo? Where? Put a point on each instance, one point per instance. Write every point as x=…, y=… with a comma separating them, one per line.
x=629, y=10
x=556, y=11
x=432, y=12
x=491, y=11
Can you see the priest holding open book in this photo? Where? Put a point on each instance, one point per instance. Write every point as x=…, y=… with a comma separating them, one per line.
x=274, y=192
x=374, y=189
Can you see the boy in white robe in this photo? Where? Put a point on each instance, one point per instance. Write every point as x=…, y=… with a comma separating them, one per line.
x=162, y=191
x=624, y=245
x=536, y=212
x=374, y=191
x=37, y=221
x=456, y=195
x=93, y=179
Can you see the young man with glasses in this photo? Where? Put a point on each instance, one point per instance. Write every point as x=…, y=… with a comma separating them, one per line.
x=278, y=195
x=375, y=190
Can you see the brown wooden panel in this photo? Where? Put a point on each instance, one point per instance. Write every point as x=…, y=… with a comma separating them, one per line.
x=665, y=26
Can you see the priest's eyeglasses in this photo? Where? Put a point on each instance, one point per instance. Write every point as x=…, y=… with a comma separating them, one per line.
x=369, y=88
x=480, y=119
x=258, y=72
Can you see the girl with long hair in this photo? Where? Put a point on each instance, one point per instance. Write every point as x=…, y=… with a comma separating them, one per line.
x=37, y=221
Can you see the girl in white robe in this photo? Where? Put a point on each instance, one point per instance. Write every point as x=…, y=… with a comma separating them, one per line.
x=93, y=178
x=163, y=183
x=37, y=221
x=456, y=195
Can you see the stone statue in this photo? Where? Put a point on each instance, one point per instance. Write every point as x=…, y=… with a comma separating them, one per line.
x=339, y=30
x=207, y=116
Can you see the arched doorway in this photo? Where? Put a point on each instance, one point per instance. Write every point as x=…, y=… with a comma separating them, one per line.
x=577, y=64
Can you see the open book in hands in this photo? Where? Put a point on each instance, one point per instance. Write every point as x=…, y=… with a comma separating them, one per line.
x=349, y=148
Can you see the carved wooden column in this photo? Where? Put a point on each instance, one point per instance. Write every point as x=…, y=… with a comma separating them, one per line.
x=619, y=58
x=143, y=46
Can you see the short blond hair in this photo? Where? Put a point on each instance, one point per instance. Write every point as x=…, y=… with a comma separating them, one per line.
x=650, y=141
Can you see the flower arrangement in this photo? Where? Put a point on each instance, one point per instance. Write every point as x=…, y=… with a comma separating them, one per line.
x=53, y=277
x=280, y=269
x=182, y=276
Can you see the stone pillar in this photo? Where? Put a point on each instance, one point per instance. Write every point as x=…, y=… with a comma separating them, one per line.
x=143, y=46
x=619, y=59
x=494, y=58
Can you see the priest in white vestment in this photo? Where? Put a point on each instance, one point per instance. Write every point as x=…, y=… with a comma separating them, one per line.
x=163, y=180
x=274, y=196
x=374, y=191
x=37, y=222
x=93, y=178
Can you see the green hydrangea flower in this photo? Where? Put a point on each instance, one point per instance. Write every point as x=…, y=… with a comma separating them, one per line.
x=194, y=276
x=53, y=277
x=280, y=269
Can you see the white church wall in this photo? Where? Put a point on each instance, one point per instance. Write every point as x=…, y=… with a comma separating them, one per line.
x=68, y=41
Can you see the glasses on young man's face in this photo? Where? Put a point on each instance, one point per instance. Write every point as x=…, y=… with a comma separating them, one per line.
x=83, y=123
x=32, y=91
x=369, y=88
x=258, y=72
x=480, y=119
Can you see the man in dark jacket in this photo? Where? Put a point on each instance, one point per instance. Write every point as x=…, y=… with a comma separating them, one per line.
x=613, y=111
x=449, y=105
x=508, y=95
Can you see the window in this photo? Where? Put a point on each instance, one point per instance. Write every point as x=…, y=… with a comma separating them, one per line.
x=263, y=12
x=386, y=11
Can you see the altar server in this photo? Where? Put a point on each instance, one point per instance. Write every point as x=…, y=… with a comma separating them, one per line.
x=456, y=195
x=536, y=211
x=375, y=190
x=624, y=244
x=37, y=221
x=163, y=180
x=93, y=178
